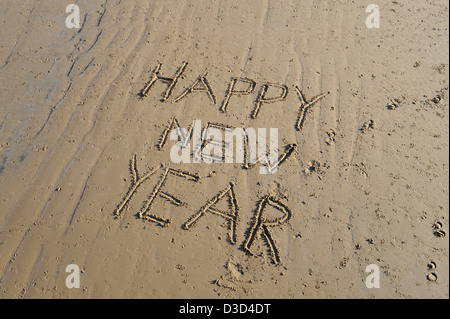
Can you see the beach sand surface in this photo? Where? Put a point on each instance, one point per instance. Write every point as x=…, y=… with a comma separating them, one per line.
x=86, y=176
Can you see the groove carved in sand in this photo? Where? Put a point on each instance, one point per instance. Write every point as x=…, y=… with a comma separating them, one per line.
x=232, y=217
x=172, y=82
x=305, y=107
x=262, y=224
x=137, y=181
x=201, y=85
x=231, y=91
x=262, y=97
x=144, y=213
x=174, y=124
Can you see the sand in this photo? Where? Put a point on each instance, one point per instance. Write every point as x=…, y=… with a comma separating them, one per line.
x=86, y=176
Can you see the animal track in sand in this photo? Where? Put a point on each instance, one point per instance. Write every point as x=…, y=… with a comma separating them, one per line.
x=432, y=277
x=394, y=103
x=368, y=126
x=236, y=278
x=437, y=98
x=438, y=231
x=315, y=167
x=330, y=140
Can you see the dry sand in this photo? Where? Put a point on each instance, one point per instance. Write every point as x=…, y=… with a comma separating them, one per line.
x=367, y=183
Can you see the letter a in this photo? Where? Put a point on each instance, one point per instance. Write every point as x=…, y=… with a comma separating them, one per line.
x=373, y=280
x=262, y=224
x=73, y=19
x=373, y=19
x=201, y=85
x=73, y=280
x=232, y=216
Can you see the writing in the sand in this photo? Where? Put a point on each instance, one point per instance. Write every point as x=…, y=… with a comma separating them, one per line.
x=261, y=225
x=268, y=92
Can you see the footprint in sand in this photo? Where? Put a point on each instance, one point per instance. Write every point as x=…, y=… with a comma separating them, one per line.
x=438, y=231
x=432, y=276
x=431, y=265
x=368, y=126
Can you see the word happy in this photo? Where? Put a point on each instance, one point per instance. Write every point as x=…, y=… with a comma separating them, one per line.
x=201, y=84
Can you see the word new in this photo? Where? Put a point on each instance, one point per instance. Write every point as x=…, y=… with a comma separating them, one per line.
x=209, y=146
x=246, y=146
